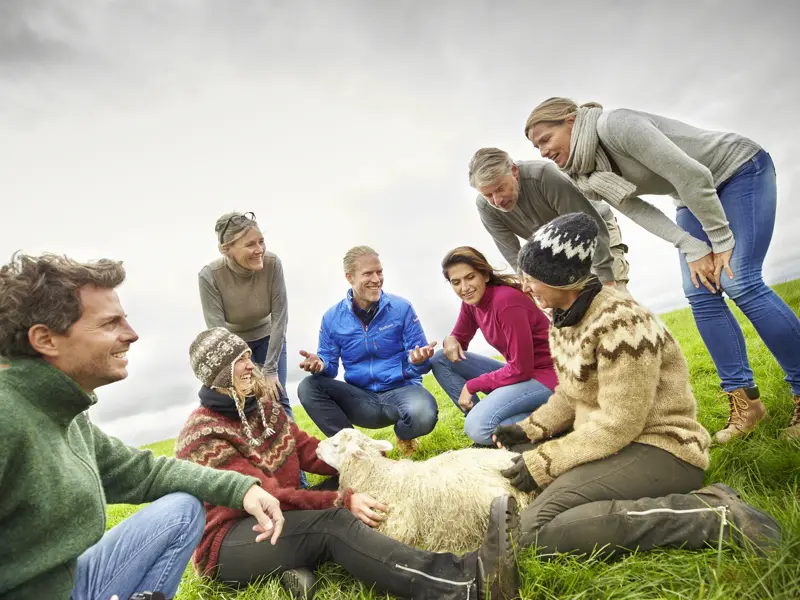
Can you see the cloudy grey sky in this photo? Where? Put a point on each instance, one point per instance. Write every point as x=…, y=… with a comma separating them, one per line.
x=129, y=126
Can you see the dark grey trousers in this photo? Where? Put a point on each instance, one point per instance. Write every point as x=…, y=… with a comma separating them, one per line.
x=636, y=499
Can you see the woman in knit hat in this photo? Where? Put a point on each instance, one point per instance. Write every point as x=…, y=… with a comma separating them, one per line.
x=724, y=187
x=510, y=321
x=241, y=427
x=617, y=448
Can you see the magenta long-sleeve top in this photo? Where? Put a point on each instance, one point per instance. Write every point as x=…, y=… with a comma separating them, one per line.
x=512, y=323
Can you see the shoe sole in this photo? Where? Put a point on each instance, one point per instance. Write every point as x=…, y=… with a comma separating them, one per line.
x=506, y=513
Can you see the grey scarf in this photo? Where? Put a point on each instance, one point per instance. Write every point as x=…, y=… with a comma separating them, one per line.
x=589, y=166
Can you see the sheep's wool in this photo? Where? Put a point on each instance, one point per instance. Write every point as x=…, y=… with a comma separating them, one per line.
x=622, y=379
x=440, y=504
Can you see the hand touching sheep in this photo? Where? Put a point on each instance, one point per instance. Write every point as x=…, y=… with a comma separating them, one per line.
x=365, y=507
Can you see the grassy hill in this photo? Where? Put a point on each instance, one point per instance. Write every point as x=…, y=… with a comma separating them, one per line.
x=764, y=469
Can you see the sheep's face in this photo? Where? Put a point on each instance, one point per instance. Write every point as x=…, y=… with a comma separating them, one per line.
x=349, y=442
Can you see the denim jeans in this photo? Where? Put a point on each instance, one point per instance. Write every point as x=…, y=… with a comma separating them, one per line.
x=258, y=349
x=147, y=552
x=335, y=405
x=749, y=199
x=503, y=406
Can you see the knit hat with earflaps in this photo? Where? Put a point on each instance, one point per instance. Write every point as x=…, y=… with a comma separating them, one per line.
x=213, y=355
x=560, y=252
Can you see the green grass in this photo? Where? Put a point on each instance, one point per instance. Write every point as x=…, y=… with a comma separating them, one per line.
x=764, y=469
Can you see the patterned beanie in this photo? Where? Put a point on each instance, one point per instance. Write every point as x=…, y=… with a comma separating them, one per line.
x=213, y=355
x=560, y=252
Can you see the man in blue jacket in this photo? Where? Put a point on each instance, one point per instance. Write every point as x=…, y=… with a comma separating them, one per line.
x=383, y=349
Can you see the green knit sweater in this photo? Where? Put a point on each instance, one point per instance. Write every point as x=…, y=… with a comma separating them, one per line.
x=58, y=471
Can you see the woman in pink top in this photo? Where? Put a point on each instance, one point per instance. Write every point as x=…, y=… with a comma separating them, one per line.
x=512, y=323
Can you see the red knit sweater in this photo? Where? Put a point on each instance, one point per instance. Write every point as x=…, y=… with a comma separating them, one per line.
x=210, y=439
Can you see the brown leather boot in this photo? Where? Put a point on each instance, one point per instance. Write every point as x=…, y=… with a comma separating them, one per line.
x=746, y=411
x=406, y=447
x=793, y=430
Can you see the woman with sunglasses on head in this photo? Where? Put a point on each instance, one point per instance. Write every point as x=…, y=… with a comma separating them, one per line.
x=244, y=292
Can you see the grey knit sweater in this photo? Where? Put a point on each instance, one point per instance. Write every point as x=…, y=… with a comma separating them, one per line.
x=544, y=194
x=667, y=157
x=251, y=304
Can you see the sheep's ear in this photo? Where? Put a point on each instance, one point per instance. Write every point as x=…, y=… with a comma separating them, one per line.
x=354, y=449
x=382, y=445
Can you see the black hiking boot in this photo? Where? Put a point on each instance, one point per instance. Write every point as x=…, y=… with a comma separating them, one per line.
x=299, y=583
x=749, y=527
x=498, y=577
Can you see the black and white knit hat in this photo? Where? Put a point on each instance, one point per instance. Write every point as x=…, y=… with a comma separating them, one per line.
x=213, y=355
x=560, y=252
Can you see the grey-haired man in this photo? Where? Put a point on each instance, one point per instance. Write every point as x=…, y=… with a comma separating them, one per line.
x=515, y=199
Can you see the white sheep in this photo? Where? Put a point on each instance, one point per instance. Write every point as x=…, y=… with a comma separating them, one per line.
x=440, y=504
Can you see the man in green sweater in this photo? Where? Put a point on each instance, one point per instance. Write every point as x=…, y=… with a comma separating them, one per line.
x=63, y=334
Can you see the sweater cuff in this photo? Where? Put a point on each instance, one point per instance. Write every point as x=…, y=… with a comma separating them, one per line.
x=693, y=248
x=345, y=500
x=721, y=239
x=538, y=464
x=534, y=430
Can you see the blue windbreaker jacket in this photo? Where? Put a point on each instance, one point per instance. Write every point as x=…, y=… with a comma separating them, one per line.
x=375, y=357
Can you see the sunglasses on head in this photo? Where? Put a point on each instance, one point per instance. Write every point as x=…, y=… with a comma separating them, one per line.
x=236, y=220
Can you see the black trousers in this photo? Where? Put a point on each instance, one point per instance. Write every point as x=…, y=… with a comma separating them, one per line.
x=311, y=537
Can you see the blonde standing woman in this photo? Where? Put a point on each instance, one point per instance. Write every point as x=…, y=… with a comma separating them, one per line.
x=724, y=187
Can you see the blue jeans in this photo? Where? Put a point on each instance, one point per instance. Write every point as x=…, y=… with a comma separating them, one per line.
x=147, y=552
x=258, y=349
x=749, y=199
x=503, y=406
x=335, y=405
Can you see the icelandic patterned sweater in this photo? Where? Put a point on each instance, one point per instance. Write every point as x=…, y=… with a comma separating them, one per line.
x=211, y=439
x=622, y=379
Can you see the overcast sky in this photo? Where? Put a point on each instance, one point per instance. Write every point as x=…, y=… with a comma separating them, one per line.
x=128, y=127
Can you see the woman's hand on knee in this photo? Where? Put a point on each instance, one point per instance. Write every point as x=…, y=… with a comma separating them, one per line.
x=722, y=261
x=274, y=387
x=465, y=399
x=452, y=349
x=267, y=510
x=366, y=508
x=702, y=272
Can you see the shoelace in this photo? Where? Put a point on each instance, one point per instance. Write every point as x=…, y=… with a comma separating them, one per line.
x=796, y=417
x=736, y=405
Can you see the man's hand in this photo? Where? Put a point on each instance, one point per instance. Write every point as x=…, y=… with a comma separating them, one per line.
x=274, y=387
x=453, y=350
x=365, y=506
x=702, y=272
x=722, y=261
x=417, y=355
x=465, y=399
x=267, y=511
x=519, y=475
x=505, y=436
x=312, y=363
